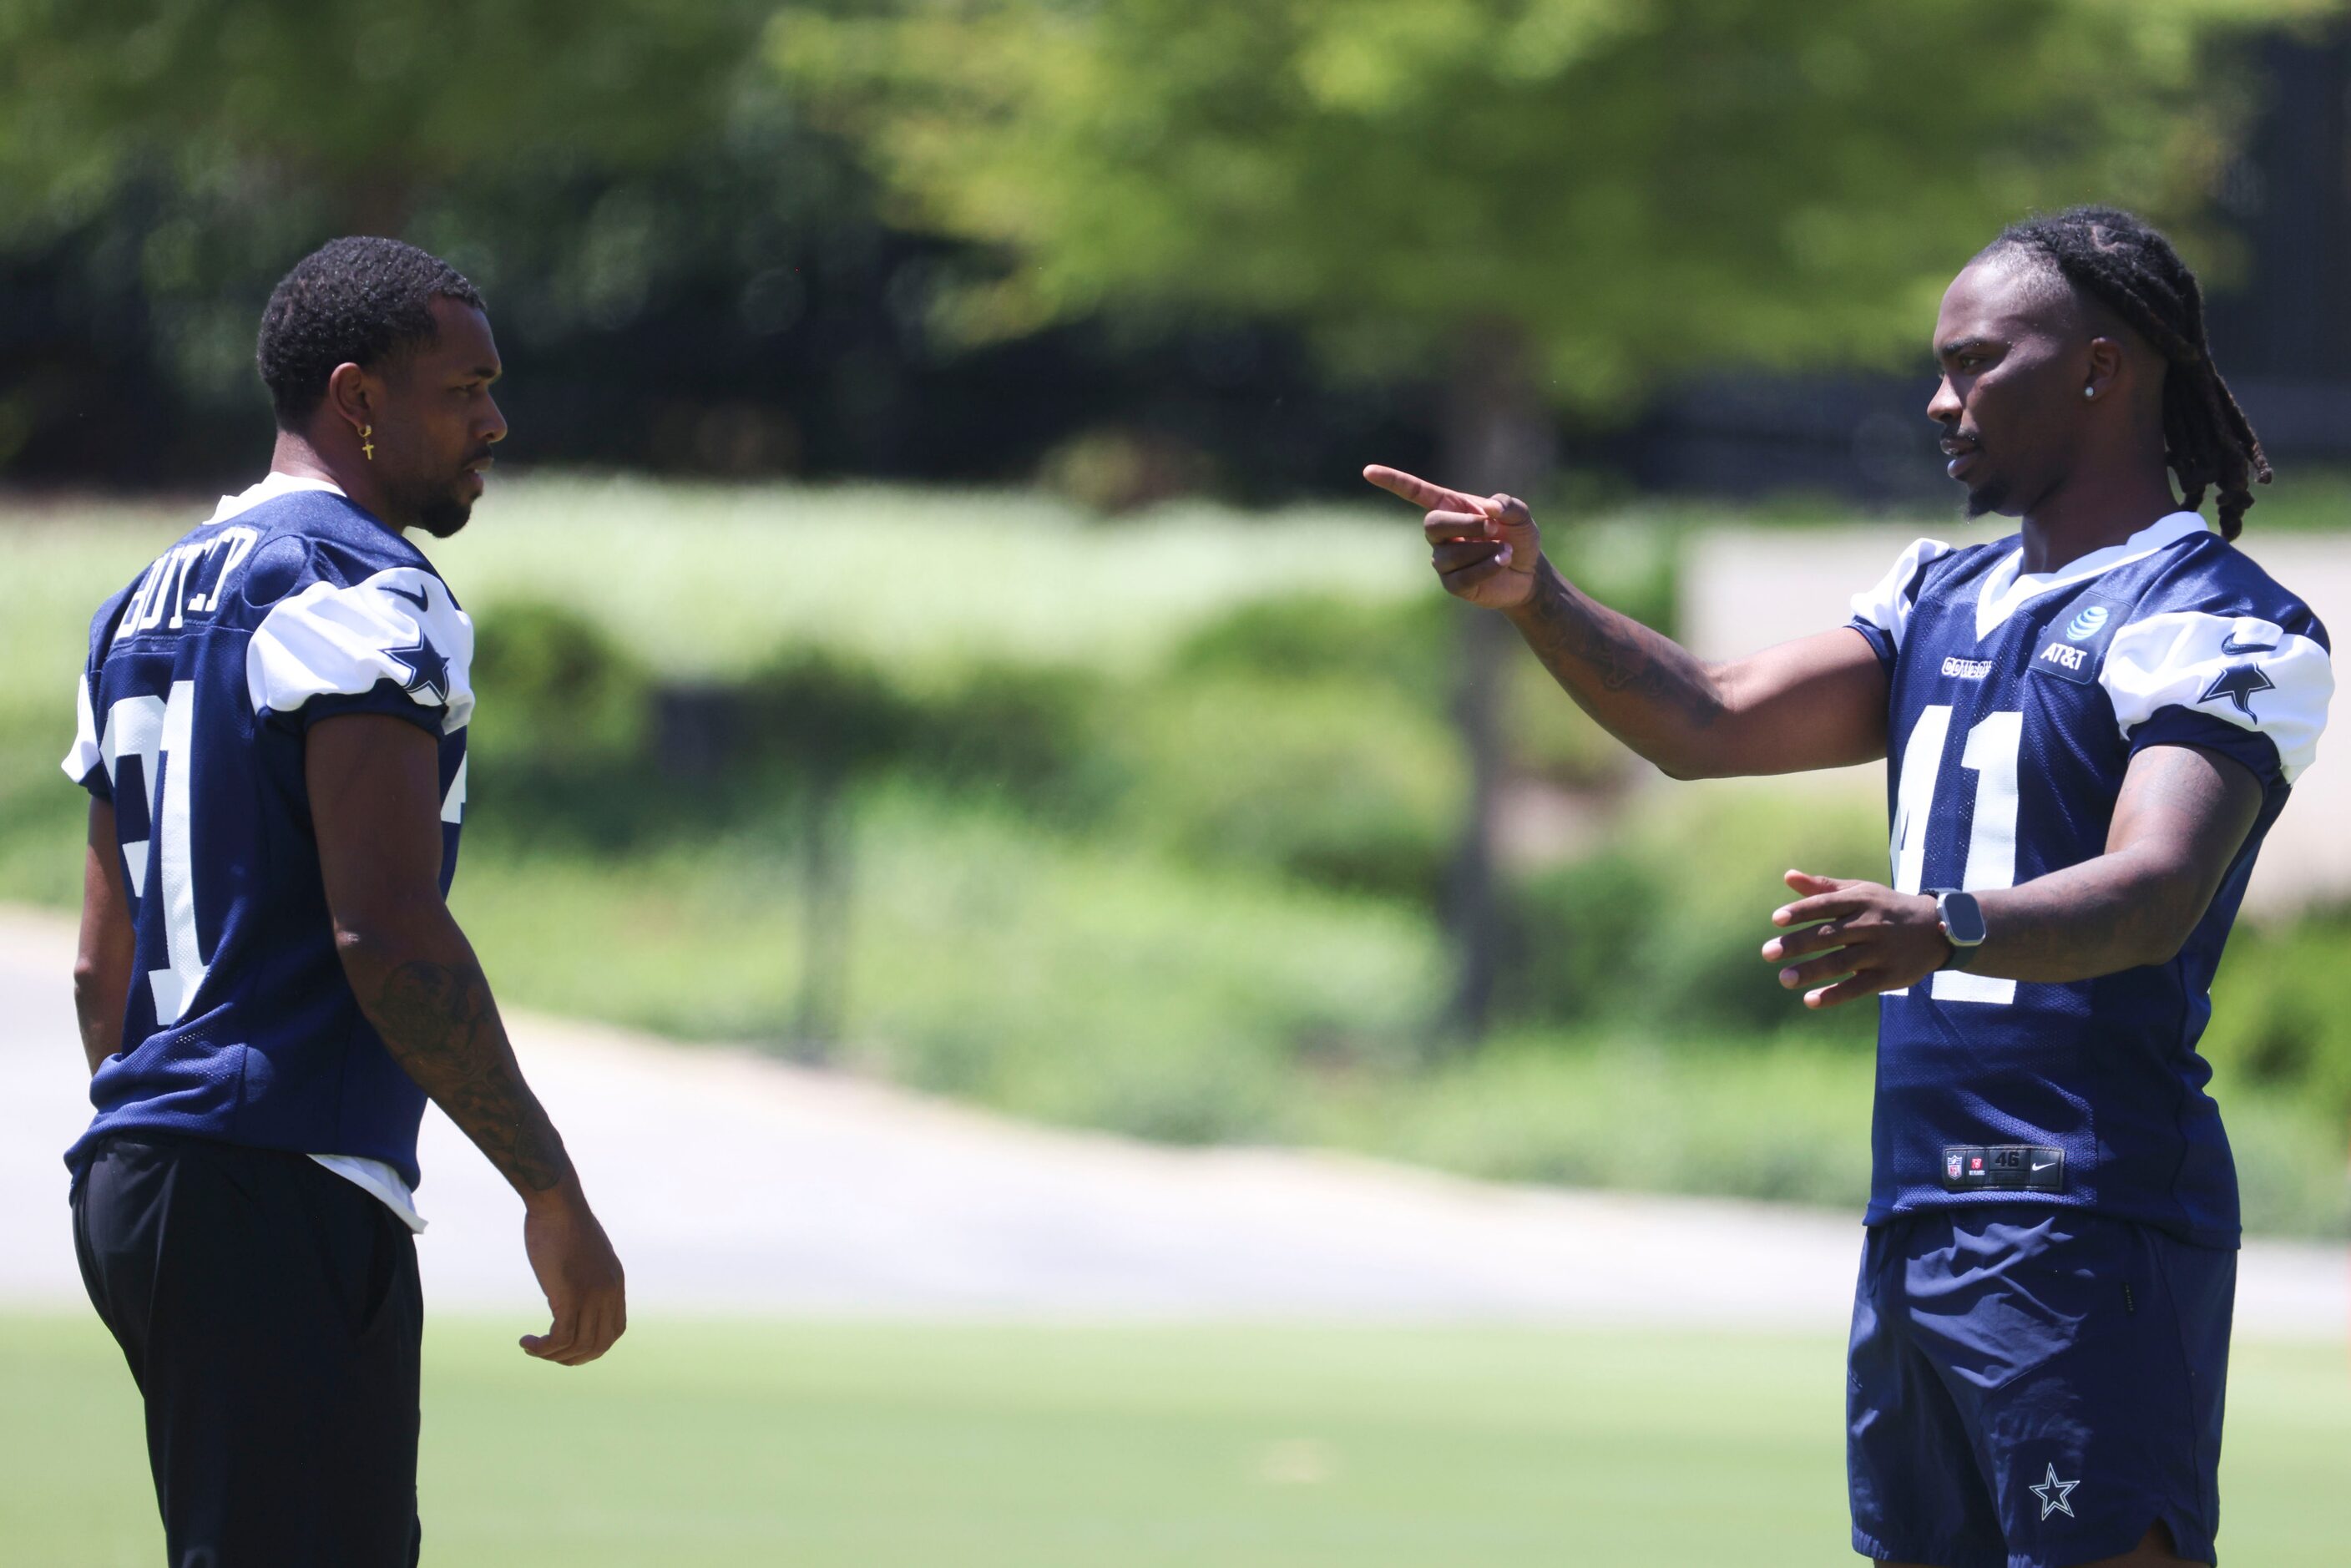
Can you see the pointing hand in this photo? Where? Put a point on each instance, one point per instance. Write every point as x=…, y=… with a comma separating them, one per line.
x=1484, y=548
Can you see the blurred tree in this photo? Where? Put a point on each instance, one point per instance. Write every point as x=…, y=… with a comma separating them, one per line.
x=1546, y=204
x=622, y=177
x=685, y=274
x=364, y=102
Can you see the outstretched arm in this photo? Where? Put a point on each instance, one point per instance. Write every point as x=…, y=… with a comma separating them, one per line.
x=1818, y=702
x=2181, y=816
x=375, y=801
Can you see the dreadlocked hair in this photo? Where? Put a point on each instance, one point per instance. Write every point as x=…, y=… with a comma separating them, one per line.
x=2131, y=268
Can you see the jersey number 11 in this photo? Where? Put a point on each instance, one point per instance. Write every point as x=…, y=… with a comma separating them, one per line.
x=1992, y=748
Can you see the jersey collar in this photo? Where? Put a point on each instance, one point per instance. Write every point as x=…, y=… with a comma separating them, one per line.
x=2010, y=587
x=272, y=485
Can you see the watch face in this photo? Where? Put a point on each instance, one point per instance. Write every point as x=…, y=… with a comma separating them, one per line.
x=1963, y=918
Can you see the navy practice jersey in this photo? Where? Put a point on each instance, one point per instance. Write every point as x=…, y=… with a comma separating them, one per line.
x=289, y=606
x=2015, y=703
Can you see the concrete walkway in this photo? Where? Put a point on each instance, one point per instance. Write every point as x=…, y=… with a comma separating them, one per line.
x=732, y=1183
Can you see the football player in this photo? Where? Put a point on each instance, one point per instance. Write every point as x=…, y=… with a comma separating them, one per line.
x=272, y=726
x=2089, y=726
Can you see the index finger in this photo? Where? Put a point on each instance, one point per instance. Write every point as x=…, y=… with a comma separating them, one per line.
x=1412, y=487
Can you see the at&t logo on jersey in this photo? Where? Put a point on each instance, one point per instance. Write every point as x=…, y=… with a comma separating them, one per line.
x=2064, y=657
x=2071, y=650
x=2087, y=624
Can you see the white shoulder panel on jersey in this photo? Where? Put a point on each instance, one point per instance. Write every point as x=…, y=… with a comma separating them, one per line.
x=2240, y=668
x=1887, y=606
x=399, y=625
x=85, y=753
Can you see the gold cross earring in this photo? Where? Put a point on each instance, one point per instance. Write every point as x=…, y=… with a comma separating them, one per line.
x=367, y=446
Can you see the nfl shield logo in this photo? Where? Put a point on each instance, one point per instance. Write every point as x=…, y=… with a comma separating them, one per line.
x=1952, y=1165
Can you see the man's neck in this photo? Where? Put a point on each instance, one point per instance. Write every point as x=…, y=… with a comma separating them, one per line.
x=297, y=455
x=2093, y=512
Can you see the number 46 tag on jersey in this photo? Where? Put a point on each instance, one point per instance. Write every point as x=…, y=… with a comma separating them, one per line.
x=2072, y=646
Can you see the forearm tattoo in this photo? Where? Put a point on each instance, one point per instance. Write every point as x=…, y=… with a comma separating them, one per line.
x=440, y=1024
x=1582, y=644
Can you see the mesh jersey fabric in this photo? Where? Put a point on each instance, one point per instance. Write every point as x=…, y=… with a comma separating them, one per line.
x=2015, y=703
x=202, y=677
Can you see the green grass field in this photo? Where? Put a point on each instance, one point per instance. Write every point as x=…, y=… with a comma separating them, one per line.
x=820, y=1445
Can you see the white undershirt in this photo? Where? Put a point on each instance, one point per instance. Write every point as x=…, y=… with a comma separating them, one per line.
x=372, y=1177
x=379, y=1178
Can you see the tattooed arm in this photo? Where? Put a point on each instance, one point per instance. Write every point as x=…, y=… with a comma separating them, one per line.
x=442, y=1027
x=375, y=803
x=1819, y=702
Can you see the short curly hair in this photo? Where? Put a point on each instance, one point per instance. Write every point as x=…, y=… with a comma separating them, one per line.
x=359, y=300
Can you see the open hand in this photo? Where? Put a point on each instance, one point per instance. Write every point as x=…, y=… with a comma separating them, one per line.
x=1484, y=548
x=580, y=1272
x=1875, y=938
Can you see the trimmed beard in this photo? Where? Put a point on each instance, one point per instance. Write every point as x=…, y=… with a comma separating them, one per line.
x=1987, y=498
x=439, y=511
x=444, y=515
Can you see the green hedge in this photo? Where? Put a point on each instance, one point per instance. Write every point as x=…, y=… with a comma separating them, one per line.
x=1662, y=929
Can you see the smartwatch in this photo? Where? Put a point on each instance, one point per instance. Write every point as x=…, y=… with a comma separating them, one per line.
x=1963, y=921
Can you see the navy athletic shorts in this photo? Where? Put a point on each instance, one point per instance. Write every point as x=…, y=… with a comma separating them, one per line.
x=2034, y=1387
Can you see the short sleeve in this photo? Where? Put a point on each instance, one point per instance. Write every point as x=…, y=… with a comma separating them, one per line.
x=1883, y=613
x=394, y=643
x=2238, y=684
x=85, y=761
x=85, y=764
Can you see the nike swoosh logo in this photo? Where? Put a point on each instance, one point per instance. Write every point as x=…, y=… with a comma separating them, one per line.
x=2230, y=645
x=422, y=600
x=2044, y=1165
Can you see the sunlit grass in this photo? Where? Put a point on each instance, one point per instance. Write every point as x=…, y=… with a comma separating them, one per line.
x=845, y=1446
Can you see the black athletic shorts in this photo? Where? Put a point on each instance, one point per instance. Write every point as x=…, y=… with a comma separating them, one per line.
x=271, y=1312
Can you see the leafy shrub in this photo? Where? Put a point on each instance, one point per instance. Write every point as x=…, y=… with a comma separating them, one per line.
x=1030, y=731
x=2281, y=1010
x=1413, y=646
x=826, y=714
x=1663, y=930
x=1404, y=644
x=1789, y=1123
x=1342, y=782
x=552, y=684
x=1630, y=563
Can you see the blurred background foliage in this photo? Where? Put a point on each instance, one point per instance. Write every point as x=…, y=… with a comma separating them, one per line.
x=1632, y=189
x=1173, y=874
x=991, y=239
x=1128, y=790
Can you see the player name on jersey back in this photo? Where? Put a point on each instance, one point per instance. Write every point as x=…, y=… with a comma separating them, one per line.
x=189, y=579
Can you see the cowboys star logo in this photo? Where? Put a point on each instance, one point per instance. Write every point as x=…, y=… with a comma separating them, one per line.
x=2239, y=683
x=2052, y=1494
x=428, y=669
